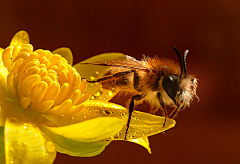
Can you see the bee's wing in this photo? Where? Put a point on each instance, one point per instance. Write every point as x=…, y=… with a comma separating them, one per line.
x=124, y=61
x=92, y=72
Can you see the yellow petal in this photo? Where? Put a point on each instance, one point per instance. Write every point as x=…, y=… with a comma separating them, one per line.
x=75, y=148
x=92, y=109
x=2, y=157
x=90, y=130
x=6, y=100
x=66, y=53
x=144, y=124
x=25, y=143
x=19, y=39
x=143, y=142
x=3, y=69
x=92, y=72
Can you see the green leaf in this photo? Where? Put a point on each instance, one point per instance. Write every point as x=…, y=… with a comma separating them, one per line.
x=75, y=148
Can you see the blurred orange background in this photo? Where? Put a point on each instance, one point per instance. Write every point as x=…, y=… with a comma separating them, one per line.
x=207, y=132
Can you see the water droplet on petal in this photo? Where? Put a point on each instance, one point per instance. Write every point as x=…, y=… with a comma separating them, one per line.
x=25, y=126
x=97, y=94
x=50, y=146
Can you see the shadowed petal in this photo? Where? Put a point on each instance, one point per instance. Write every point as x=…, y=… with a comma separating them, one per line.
x=25, y=143
x=75, y=148
x=66, y=53
x=2, y=158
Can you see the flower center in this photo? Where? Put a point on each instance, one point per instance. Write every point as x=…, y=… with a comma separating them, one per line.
x=44, y=82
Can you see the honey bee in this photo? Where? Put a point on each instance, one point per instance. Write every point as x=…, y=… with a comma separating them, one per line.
x=157, y=81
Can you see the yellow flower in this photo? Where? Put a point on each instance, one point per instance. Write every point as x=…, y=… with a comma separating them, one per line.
x=44, y=107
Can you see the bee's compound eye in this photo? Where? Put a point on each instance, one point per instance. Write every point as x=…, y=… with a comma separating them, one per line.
x=170, y=85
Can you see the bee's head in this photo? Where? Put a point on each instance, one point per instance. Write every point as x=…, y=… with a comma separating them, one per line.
x=180, y=88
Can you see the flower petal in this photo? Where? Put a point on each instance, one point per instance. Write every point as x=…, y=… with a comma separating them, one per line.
x=6, y=99
x=2, y=159
x=144, y=124
x=3, y=69
x=90, y=130
x=92, y=72
x=75, y=148
x=92, y=109
x=66, y=53
x=25, y=143
x=19, y=39
x=143, y=142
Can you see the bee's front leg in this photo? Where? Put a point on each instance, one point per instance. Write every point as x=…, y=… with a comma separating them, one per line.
x=174, y=113
x=163, y=107
x=131, y=107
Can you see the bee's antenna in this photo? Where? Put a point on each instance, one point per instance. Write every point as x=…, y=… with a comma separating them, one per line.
x=180, y=61
x=184, y=62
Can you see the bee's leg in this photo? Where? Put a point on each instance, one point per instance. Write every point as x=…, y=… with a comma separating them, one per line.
x=163, y=107
x=153, y=110
x=116, y=75
x=174, y=113
x=131, y=107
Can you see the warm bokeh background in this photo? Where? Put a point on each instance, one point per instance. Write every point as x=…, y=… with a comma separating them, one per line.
x=207, y=132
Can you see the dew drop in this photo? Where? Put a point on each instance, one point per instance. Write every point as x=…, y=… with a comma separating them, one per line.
x=84, y=116
x=97, y=94
x=13, y=119
x=92, y=78
x=50, y=146
x=25, y=127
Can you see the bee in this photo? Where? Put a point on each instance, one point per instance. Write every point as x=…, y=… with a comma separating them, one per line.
x=158, y=81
